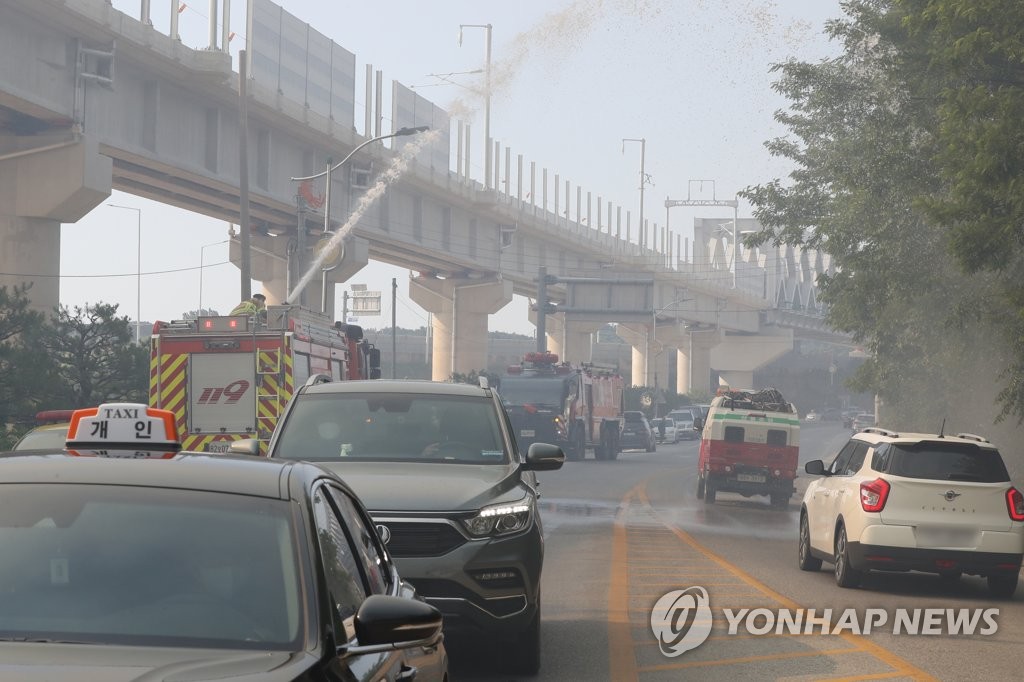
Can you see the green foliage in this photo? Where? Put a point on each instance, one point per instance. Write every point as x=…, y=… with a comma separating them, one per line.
x=19, y=359
x=893, y=142
x=473, y=377
x=95, y=358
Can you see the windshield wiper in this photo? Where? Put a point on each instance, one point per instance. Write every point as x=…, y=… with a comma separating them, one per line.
x=44, y=640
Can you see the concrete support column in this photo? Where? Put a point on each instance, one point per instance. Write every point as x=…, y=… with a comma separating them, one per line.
x=739, y=355
x=577, y=347
x=45, y=182
x=460, y=308
x=31, y=246
x=693, y=366
x=637, y=338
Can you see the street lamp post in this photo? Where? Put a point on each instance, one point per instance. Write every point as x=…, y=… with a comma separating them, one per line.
x=487, y=100
x=643, y=181
x=202, y=251
x=138, y=266
x=327, y=192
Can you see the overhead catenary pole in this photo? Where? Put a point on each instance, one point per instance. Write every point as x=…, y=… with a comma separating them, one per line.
x=641, y=233
x=542, y=308
x=245, y=234
x=394, y=325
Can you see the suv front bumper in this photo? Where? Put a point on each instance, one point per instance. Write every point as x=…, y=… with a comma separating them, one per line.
x=487, y=585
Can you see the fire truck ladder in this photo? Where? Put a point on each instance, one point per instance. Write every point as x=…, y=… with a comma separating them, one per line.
x=269, y=391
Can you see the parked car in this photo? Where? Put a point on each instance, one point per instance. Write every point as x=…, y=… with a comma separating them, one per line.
x=848, y=416
x=637, y=432
x=909, y=501
x=455, y=501
x=812, y=416
x=665, y=430
x=863, y=420
x=685, y=428
x=162, y=564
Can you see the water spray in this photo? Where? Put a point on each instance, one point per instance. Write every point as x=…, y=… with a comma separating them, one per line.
x=398, y=166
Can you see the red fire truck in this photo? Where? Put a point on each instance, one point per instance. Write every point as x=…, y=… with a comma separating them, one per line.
x=227, y=378
x=573, y=407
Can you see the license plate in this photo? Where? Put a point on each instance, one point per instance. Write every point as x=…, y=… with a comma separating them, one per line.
x=527, y=433
x=944, y=537
x=750, y=478
x=218, y=447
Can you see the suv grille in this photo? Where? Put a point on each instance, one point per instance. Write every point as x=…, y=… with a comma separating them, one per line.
x=422, y=539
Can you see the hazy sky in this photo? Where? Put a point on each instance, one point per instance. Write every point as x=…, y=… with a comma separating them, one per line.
x=572, y=79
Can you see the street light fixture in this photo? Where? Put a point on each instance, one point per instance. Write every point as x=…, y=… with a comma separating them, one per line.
x=138, y=267
x=487, y=99
x=401, y=132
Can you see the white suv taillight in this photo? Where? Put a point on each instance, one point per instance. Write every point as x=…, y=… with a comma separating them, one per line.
x=1015, y=504
x=874, y=494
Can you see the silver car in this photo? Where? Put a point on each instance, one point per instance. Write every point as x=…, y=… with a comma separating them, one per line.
x=438, y=468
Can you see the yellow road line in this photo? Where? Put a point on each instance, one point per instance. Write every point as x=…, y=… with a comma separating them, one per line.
x=859, y=641
x=876, y=676
x=622, y=660
x=748, y=659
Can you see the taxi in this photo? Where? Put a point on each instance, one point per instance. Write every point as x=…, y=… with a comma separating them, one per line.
x=126, y=558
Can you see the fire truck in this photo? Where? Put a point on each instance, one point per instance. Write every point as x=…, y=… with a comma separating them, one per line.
x=226, y=378
x=574, y=408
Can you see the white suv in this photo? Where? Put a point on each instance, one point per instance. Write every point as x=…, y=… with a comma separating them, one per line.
x=922, y=502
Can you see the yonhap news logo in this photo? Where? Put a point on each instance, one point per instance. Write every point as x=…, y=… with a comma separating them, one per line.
x=682, y=619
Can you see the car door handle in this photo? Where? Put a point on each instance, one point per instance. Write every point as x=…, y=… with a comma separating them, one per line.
x=407, y=673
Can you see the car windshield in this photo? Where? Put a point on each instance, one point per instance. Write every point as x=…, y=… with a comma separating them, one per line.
x=393, y=427
x=548, y=391
x=143, y=566
x=43, y=439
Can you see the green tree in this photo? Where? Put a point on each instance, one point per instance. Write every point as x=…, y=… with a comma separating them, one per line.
x=21, y=362
x=863, y=135
x=95, y=357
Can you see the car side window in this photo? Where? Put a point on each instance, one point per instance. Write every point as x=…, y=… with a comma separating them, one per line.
x=339, y=557
x=838, y=466
x=378, y=573
x=853, y=465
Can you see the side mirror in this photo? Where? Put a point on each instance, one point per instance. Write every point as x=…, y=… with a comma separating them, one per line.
x=544, y=457
x=386, y=623
x=815, y=468
x=698, y=424
x=246, y=446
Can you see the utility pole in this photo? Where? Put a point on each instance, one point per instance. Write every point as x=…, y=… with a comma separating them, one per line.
x=542, y=309
x=641, y=234
x=394, y=325
x=245, y=234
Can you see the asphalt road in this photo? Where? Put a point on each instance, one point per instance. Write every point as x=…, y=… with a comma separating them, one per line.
x=622, y=534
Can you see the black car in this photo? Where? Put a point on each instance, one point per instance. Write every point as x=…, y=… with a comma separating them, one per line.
x=126, y=562
x=438, y=466
x=637, y=432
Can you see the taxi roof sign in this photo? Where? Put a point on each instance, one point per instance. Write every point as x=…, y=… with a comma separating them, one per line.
x=131, y=424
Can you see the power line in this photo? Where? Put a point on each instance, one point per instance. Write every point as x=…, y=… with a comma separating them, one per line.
x=117, y=274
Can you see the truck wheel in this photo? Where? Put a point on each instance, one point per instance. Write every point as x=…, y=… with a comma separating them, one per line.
x=572, y=451
x=700, y=487
x=709, y=491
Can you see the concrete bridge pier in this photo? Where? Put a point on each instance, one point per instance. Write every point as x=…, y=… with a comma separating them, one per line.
x=569, y=339
x=693, y=360
x=739, y=355
x=460, y=308
x=645, y=372
x=52, y=182
x=269, y=265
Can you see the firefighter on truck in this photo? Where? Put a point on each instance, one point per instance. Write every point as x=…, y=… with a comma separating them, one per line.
x=575, y=408
x=228, y=378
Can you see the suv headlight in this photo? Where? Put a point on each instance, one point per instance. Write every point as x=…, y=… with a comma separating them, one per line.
x=501, y=519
